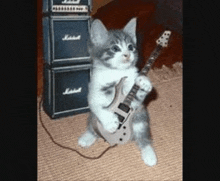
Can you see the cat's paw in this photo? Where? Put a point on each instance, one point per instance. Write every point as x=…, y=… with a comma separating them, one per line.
x=149, y=156
x=111, y=123
x=144, y=83
x=86, y=139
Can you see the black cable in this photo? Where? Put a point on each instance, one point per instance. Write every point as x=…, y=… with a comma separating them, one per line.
x=65, y=147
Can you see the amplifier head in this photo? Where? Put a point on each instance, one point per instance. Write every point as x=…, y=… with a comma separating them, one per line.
x=67, y=6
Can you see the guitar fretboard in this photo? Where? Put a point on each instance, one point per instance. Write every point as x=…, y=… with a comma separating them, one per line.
x=151, y=60
x=131, y=95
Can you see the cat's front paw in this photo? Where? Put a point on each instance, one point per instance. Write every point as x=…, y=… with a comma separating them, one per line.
x=144, y=83
x=149, y=156
x=111, y=123
x=86, y=140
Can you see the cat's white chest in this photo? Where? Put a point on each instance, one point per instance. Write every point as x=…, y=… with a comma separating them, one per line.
x=109, y=76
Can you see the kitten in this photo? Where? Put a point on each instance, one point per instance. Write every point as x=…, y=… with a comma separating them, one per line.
x=114, y=55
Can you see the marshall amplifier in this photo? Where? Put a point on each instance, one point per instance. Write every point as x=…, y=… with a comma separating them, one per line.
x=67, y=6
x=65, y=40
x=65, y=90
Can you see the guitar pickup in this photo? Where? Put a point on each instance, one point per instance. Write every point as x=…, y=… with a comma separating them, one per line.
x=124, y=107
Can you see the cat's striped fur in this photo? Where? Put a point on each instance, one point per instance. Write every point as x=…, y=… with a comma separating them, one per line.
x=114, y=55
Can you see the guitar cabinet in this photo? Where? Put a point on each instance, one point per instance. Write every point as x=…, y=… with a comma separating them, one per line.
x=65, y=90
x=65, y=40
x=66, y=31
x=67, y=6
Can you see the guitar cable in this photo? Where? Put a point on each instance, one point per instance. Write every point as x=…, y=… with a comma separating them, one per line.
x=65, y=147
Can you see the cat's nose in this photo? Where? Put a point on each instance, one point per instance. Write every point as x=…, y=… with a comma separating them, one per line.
x=127, y=55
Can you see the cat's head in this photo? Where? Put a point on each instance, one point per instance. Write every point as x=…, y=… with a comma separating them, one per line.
x=114, y=48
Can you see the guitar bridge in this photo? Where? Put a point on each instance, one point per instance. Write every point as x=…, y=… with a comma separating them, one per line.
x=121, y=119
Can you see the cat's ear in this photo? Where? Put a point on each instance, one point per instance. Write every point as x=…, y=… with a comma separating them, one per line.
x=98, y=34
x=130, y=29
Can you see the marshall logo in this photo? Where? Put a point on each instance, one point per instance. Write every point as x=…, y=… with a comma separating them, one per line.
x=74, y=91
x=67, y=37
x=70, y=2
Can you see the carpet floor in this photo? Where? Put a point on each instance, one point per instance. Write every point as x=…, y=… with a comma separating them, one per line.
x=122, y=162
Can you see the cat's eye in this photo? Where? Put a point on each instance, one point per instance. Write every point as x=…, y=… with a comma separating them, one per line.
x=115, y=48
x=130, y=47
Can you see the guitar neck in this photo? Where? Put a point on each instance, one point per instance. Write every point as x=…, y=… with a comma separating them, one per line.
x=151, y=60
x=131, y=95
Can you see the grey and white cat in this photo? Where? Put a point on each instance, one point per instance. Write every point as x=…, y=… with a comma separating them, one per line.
x=114, y=55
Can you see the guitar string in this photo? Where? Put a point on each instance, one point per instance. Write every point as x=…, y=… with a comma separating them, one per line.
x=131, y=94
x=68, y=148
x=145, y=70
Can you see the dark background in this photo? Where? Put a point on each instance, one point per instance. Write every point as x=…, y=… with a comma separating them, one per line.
x=19, y=79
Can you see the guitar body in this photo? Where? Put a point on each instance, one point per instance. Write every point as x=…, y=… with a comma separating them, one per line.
x=124, y=131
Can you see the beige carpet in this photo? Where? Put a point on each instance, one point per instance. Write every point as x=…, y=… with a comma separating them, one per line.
x=122, y=162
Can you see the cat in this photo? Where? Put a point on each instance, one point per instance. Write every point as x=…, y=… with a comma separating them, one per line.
x=114, y=55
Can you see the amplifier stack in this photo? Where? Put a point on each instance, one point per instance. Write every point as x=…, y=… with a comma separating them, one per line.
x=66, y=29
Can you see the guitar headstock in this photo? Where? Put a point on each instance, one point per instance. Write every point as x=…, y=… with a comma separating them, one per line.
x=163, y=40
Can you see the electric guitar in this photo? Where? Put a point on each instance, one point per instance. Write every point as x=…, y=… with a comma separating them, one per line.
x=121, y=103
